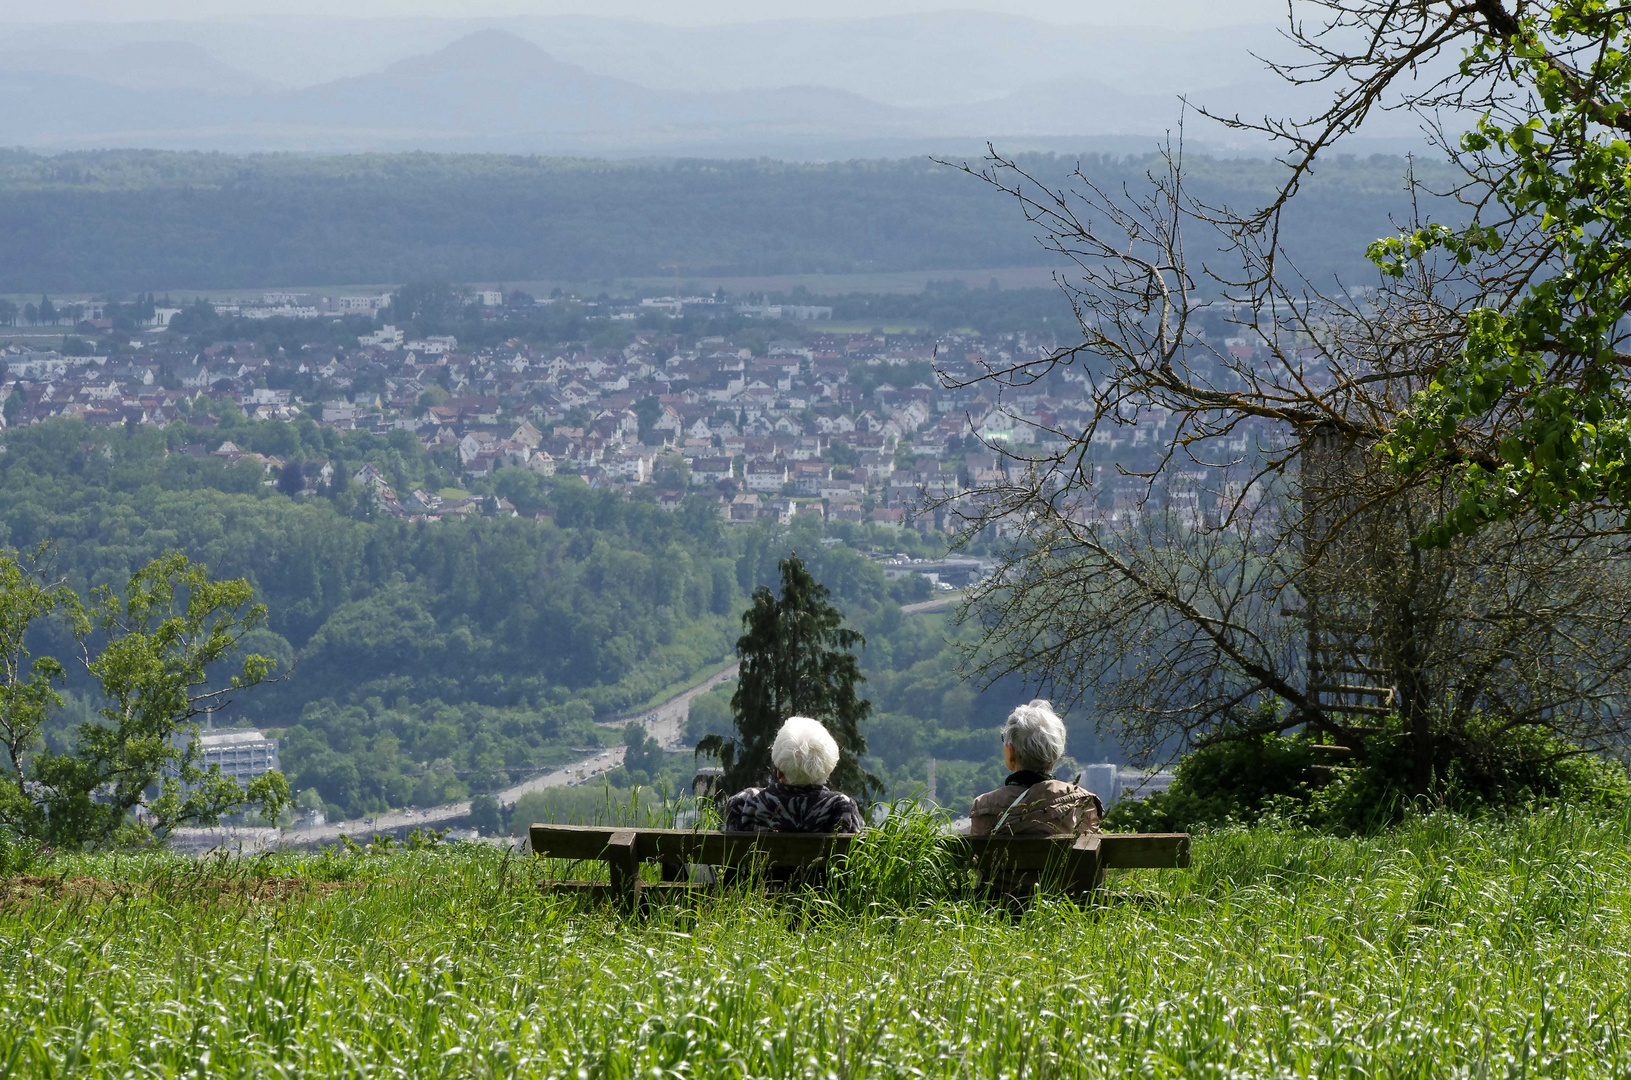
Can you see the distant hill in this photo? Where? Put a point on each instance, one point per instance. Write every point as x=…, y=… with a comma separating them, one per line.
x=490, y=89
x=500, y=91
x=921, y=59
x=127, y=220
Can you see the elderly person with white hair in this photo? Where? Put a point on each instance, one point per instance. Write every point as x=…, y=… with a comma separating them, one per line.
x=804, y=754
x=1031, y=802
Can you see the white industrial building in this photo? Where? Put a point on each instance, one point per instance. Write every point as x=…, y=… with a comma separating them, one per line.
x=242, y=753
x=1113, y=783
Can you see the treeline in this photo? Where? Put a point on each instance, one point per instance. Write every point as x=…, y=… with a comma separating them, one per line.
x=139, y=220
x=423, y=660
x=952, y=305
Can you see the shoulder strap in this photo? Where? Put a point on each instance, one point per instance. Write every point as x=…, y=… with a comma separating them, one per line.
x=1010, y=809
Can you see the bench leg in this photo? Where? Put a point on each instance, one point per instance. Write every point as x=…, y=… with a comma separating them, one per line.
x=1084, y=869
x=624, y=862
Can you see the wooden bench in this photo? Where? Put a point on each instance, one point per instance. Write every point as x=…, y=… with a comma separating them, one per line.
x=1077, y=863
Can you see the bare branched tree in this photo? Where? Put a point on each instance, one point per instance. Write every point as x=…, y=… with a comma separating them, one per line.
x=1528, y=403
x=1284, y=551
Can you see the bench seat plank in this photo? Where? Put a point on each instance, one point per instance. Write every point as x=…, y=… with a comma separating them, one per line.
x=1075, y=855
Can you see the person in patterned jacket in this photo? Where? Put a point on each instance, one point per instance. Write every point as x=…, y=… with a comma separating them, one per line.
x=804, y=754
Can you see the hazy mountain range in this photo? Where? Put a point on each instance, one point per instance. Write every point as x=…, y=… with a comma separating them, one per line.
x=574, y=85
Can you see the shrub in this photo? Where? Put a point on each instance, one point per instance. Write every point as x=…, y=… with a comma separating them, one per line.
x=485, y=815
x=21, y=854
x=1239, y=780
x=1491, y=767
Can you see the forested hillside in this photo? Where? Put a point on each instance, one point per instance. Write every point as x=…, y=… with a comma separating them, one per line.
x=131, y=220
x=431, y=660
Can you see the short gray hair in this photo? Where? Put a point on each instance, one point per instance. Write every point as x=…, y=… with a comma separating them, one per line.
x=1037, y=735
x=804, y=751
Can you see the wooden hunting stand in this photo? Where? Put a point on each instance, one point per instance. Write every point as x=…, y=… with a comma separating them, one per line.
x=1347, y=671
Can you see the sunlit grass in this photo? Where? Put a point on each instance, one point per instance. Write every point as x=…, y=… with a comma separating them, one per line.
x=1443, y=948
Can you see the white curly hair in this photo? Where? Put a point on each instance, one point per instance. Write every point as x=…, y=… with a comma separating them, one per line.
x=1037, y=735
x=804, y=751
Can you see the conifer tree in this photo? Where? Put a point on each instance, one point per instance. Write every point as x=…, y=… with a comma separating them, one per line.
x=797, y=660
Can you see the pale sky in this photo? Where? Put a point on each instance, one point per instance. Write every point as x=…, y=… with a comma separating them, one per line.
x=1186, y=14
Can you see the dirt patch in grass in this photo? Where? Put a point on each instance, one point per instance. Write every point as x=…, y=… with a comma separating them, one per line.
x=26, y=888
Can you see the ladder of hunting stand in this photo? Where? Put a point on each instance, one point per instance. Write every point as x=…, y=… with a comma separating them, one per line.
x=1345, y=675
x=1342, y=674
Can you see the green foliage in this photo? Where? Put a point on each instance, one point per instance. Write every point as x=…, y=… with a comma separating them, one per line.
x=21, y=854
x=291, y=479
x=644, y=754
x=598, y=803
x=710, y=714
x=1238, y=779
x=1538, y=387
x=432, y=302
x=924, y=707
x=903, y=865
x=1491, y=768
x=797, y=660
x=27, y=683
x=531, y=628
x=420, y=664
x=151, y=649
x=485, y=815
x=131, y=217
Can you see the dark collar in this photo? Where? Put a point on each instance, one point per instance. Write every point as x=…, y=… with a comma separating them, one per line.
x=1024, y=778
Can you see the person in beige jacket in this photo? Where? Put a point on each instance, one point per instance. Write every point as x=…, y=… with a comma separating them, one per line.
x=1031, y=802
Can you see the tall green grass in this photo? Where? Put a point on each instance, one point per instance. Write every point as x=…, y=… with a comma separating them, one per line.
x=1443, y=948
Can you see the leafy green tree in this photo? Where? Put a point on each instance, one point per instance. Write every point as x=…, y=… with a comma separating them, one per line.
x=839, y=452
x=48, y=310
x=291, y=479
x=432, y=302
x=643, y=752
x=1530, y=410
x=433, y=396
x=671, y=473
x=27, y=684
x=485, y=815
x=797, y=660
x=648, y=410
x=1491, y=361
x=149, y=648
x=8, y=313
x=13, y=407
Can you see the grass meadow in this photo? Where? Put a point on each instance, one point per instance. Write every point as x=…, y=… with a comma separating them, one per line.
x=1443, y=948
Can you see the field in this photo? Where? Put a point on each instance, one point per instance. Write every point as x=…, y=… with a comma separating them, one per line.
x=1443, y=948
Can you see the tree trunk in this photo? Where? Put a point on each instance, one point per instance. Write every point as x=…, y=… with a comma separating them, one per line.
x=1415, y=703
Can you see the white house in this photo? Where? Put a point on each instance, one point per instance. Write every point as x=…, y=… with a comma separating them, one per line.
x=763, y=474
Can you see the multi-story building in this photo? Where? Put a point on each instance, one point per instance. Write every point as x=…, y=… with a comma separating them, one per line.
x=242, y=753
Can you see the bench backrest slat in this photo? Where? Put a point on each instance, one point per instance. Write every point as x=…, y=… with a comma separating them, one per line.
x=1122, y=850
x=1128, y=851
x=686, y=845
